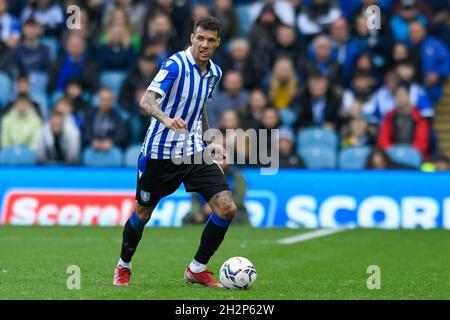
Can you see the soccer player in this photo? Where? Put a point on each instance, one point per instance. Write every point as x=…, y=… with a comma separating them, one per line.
x=175, y=100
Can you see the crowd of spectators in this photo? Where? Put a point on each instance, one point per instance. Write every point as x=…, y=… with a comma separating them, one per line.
x=287, y=64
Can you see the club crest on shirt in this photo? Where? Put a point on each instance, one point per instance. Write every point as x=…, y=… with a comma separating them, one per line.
x=213, y=81
x=145, y=196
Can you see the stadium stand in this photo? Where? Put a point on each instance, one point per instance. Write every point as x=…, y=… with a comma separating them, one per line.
x=334, y=44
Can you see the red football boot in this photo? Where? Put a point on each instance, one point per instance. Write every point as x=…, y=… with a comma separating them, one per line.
x=203, y=278
x=121, y=276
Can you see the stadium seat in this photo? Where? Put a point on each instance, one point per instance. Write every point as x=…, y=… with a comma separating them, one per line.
x=245, y=23
x=131, y=155
x=6, y=89
x=53, y=47
x=353, y=158
x=17, y=156
x=113, y=80
x=406, y=155
x=287, y=117
x=55, y=97
x=96, y=158
x=38, y=82
x=41, y=99
x=311, y=137
x=319, y=157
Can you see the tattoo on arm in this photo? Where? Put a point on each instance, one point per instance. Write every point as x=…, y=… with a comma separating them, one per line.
x=151, y=107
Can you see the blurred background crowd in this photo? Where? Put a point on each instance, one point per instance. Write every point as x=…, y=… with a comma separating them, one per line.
x=342, y=94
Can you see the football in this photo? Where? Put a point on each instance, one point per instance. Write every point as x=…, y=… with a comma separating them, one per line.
x=238, y=273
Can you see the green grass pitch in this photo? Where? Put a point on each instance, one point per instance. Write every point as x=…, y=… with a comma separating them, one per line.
x=415, y=264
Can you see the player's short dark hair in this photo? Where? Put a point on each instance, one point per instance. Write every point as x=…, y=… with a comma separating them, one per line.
x=208, y=23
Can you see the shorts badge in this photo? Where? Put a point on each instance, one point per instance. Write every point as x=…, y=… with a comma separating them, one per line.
x=145, y=196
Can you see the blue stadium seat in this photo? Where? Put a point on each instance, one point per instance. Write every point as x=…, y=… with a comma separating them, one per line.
x=287, y=116
x=38, y=82
x=311, y=137
x=42, y=100
x=113, y=80
x=319, y=157
x=353, y=158
x=55, y=97
x=17, y=156
x=131, y=155
x=406, y=155
x=245, y=23
x=6, y=89
x=96, y=158
x=53, y=47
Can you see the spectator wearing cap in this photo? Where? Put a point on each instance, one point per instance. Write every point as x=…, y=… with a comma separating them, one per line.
x=58, y=142
x=47, y=13
x=288, y=158
x=9, y=26
x=75, y=62
x=21, y=125
x=404, y=125
x=31, y=54
x=407, y=13
x=431, y=57
x=142, y=74
x=318, y=105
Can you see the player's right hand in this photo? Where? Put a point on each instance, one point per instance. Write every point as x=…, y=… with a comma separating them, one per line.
x=176, y=124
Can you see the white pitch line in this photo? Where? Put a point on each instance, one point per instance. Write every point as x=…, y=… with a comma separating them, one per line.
x=309, y=236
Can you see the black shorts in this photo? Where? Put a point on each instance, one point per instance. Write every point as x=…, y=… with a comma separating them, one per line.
x=158, y=178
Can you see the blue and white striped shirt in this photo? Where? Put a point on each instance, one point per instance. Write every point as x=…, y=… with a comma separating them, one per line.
x=183, y=92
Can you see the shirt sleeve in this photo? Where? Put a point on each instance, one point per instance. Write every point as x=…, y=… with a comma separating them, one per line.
x=165, y=78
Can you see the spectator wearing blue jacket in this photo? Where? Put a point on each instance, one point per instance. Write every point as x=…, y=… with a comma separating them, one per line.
x=346, y=48
x=431, y=57
x=407, y=13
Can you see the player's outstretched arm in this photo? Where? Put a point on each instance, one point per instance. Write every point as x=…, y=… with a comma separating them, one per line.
x=151, y=107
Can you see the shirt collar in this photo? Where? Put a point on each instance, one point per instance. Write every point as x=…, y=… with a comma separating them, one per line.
x=192, y=61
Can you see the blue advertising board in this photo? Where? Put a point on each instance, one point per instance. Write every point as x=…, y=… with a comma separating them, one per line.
x=290, y=198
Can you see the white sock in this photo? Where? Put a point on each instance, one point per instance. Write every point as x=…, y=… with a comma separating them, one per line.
x=197, y=267
x=124, y=264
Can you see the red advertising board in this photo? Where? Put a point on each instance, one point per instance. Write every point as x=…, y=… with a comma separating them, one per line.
x=67, y=208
